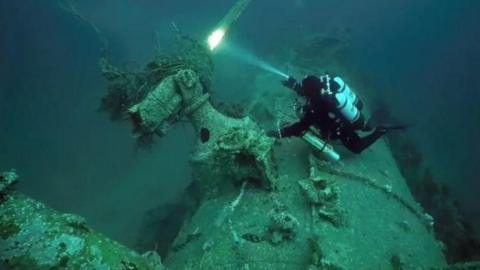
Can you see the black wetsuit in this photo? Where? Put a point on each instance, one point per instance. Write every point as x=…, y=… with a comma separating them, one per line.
x=321, y=112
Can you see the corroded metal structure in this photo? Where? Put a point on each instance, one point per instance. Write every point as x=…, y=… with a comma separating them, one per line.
x=34, y=236
x=260, y=208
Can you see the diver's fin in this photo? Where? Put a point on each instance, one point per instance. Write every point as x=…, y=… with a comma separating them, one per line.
x=386, y=128
x=396, y=127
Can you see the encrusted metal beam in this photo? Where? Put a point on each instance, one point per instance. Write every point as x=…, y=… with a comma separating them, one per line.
x=34, y=236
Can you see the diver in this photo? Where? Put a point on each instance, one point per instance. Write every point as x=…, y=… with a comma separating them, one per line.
x=335, y=110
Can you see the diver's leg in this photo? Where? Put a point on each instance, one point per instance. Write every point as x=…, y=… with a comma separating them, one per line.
x=354, y=143
x=360, y=123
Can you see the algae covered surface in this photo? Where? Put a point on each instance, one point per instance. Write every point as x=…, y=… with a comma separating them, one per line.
x=357, y=214
x=140, y=145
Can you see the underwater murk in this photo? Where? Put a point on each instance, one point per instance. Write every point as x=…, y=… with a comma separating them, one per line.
x=359, y=197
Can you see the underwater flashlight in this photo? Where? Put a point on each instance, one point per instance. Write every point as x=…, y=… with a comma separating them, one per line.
x=215, y=38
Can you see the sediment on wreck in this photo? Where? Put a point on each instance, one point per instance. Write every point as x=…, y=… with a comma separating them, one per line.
x=249, y=216
x=34, y=236
x=236, y=149
x=258, y=208
x=263, y=207
x=266, y=209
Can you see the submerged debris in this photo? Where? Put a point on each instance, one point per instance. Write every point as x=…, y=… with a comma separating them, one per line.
x=318, y=191
x=239, y=151
x=321, y=194
x=283, y=226
x=127, y=88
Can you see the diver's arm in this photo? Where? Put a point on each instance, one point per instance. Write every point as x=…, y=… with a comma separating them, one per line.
x=298, y=128
x=292, y=84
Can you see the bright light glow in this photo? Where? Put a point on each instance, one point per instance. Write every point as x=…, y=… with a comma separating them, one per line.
x=215, y=38
x=251, y=59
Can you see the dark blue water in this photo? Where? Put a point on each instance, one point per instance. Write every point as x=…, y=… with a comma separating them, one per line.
x=426, y=53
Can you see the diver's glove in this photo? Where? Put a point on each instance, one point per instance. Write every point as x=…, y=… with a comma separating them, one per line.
x=290, y=82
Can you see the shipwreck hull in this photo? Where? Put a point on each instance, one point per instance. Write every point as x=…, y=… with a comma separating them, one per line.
x=356, y=214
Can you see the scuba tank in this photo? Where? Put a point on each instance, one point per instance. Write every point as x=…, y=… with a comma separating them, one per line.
x=346, y=100
x=320, y=146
